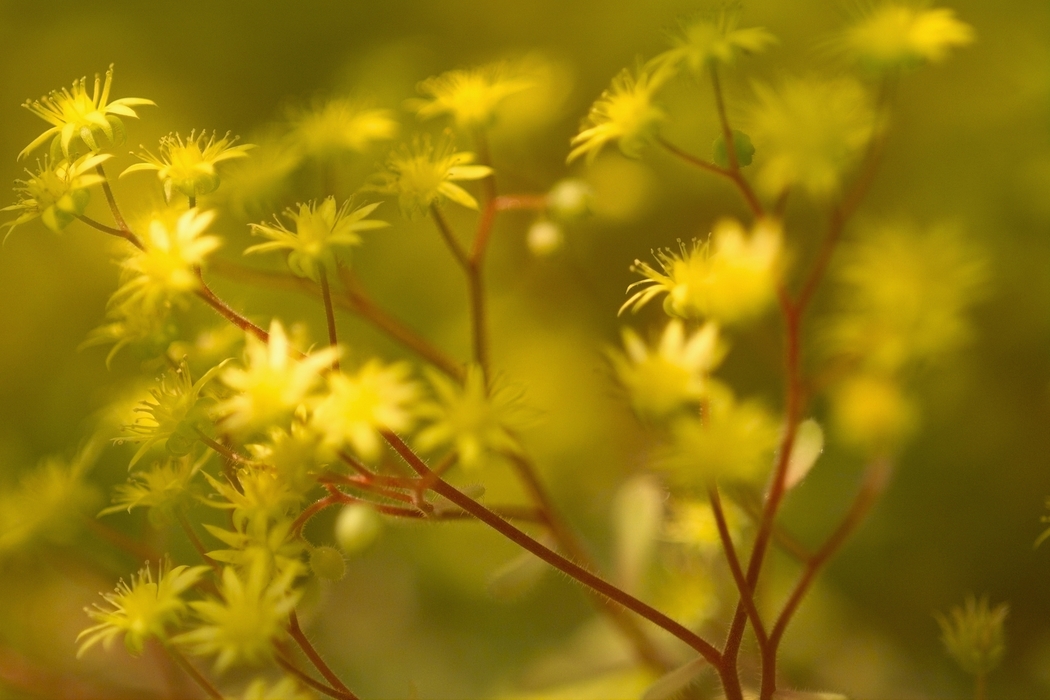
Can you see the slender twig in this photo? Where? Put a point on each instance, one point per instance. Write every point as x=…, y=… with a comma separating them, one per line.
x=113, y=208
x=224, y=451
x=311, y=653
x=227, y=312
x=196, y=541
x=353, y=300
x=479, y=511
x=193, y=673
x=727, y=134
x=734, y=176
x=139, y=550
x=571, y=545
x=875, y=477
x=454, y=246
x=316, y=685
x=126, y=235
x=329, y=313
x=747, y=593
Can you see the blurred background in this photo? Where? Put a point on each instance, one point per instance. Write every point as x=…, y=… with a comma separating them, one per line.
x=415, y=616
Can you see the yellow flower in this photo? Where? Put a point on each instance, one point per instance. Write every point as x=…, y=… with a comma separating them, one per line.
x=624, y=113
x=470, y=418
x=132, y=321
x=57, y=193
x=167, y=268
x=160, y=488
x=243, y=626
x=731, y=280
x=421, y=175
x=469, y=96
x=899, y=35
x=284, y=689
x=904, y=296
x=318, y=228
x=142, y=610
x=174, y=414
x=339, y=125
x=708, y=39
x=80, y=118
x=375, y=398
x=272, y=384
x=189, y=166
x=733, y=441
x=675, y=375
x=973, y=635
x=870, y=411
x=809, y=132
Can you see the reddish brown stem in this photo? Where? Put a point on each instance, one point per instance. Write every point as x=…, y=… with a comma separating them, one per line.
x=119, y=233
x=874, y=483
x=747, y=595
x=733, y=176
x=559, y=562
x=316, y=685
x=138, y=550
x=311, y=653
x=196, y=541
x=193, y=673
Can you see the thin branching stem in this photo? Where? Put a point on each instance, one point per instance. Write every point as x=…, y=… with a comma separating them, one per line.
x=329, y=313
x=573, y=570
x=112, y=201
x=747, y=594
x=734, y=176
x=191, y=534
x=727, y=134
x=126, y=235
x=454, y=246
x=291, y=668
x=875, y=477
x=193, y=673
x=303, y=641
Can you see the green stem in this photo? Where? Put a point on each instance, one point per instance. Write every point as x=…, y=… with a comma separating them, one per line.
x=329, y=313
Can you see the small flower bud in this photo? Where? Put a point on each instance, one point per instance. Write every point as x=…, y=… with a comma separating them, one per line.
x=356, y=527
x=327, y=563
x=544, y=237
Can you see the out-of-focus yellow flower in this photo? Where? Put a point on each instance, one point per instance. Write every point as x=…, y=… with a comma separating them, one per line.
x=870, y=411
x=189, y=166
x=167, y=268
x=48, y=503
x=78, y=118
x=625, y=113
x=898, y=35
x=292, y=453
x=376, y=398
x=243, y=625
x=284, y=689
x=57, y=192
x=337, y=126
x=904, y=296
x=422, y=175
x=160, y=488
x=272, y=384
x=732, y=279
x=133, y=322
x=142, y=610
x=318, y=229
x=973, y=635
x=470, y=97
x=734, y=440
x=675, y=375
x=809, y=132
x=474, y=420
x=709, y=39
x=692, y=523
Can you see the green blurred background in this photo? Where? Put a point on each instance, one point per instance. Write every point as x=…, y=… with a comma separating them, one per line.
x=969, y=146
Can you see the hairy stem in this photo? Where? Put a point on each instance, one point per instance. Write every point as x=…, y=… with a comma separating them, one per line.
x=747, y=594
x=454, y=246
x=311, y=653
x=291, y=668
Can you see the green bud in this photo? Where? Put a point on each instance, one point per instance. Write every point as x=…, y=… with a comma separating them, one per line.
x=327, y=563
x=745, y=150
